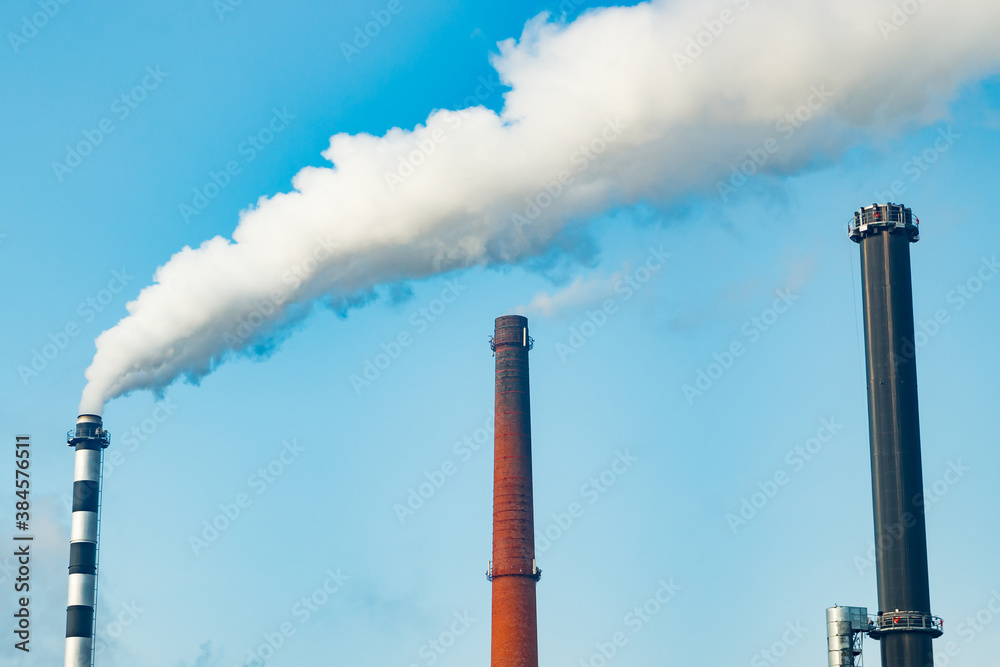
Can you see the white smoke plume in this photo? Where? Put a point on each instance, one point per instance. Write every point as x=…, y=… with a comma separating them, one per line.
x=622, y=105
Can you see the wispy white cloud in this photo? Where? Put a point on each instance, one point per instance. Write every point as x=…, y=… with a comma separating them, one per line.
x=581, y=293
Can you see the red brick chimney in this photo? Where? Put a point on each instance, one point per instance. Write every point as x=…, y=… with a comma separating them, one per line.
x=513, y=571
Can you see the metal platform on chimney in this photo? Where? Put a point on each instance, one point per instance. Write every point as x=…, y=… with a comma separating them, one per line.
x=906, y=621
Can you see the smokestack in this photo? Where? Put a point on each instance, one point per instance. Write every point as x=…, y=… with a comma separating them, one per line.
x=905, y=625
x=89, y=439
x=512, y=570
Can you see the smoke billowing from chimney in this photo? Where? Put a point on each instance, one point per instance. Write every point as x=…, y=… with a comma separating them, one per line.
x=623, y=105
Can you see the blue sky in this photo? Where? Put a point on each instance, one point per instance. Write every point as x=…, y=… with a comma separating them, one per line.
x=77, y=246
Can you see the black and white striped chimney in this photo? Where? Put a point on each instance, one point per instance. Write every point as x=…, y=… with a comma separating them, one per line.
x=89, y=439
